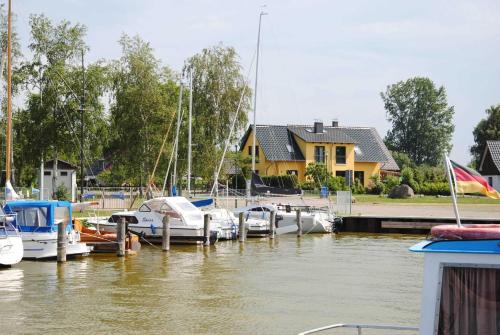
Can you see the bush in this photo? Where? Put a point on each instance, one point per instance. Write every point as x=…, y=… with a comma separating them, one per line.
x=408, y=178
x=391, y=182
x=307, y=185
x=62, y=193
x=436, y=188
x=377, y=186
x=335, y=184
x=358, y=187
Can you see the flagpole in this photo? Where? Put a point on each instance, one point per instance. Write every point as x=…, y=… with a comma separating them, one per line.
x=452, y=189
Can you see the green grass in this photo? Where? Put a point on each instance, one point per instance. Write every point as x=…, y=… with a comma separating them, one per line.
x=370, y=198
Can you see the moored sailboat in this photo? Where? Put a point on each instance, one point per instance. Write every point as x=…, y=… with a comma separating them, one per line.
x=11, y=244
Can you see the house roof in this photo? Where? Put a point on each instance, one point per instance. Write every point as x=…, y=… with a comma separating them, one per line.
x=276, y=140
x=61, y=165
x=277, y=143
x=329, y=134
x=493, y=147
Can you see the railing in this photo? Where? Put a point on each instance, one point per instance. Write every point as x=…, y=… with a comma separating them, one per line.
x=360, y=327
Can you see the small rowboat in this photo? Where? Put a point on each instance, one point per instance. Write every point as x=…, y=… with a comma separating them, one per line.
x=105, y=242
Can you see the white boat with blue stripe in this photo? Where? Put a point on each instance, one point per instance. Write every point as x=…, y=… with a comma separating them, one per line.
x=37, y=222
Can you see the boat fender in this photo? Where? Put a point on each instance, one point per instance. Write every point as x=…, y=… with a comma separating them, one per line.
x=337, y=225
x=233, y=231
x=153, y=229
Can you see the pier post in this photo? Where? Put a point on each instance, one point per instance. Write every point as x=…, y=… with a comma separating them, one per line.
x=272, y=224
x=206, y=230
x=242, y=233
x=61, y=242
x=165, y=242
x=299, y=222
x=120, y=237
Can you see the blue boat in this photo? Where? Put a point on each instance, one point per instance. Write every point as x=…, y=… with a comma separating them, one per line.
x=37, y=222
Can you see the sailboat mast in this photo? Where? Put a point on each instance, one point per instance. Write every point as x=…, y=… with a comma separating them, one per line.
x=176, y=143
x=189, y=132
x=255, y=94
x=9, y=96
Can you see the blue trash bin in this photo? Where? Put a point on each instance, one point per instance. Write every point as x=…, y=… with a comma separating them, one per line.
x=323, y=192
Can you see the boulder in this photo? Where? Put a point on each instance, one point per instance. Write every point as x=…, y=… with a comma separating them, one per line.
x=401, y=192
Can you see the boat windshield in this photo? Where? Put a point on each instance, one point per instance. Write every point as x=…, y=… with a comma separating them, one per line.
x=31, y=216
x=159, y=207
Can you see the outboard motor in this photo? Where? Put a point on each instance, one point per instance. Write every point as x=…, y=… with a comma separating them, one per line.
x=337, y=225
x=288, y=208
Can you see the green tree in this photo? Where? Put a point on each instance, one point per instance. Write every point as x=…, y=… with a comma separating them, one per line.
x=49, y=124
x=144, y=104
x=422, y=120
x=218, y=87
x=486, y=129
x=318, y=173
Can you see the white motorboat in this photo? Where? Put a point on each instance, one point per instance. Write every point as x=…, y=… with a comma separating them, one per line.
x=37, y=222
x=224, y=222
x=313, y=221
x=186, y=221
x=461, y=284
x=11, y=243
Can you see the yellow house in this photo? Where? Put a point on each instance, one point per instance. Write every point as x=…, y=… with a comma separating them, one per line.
x=355, y=151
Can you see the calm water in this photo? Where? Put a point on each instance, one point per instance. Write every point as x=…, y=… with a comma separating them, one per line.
x=262, y=287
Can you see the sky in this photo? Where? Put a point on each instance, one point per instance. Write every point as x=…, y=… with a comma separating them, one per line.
x=320, y=59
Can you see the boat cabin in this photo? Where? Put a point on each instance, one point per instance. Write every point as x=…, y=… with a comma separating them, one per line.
x=461, y=289
x=40, y=215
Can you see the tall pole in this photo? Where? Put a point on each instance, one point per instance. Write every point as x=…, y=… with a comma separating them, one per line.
x=449, y=170
x=9, y=96
x=189, y=132
x=82, y=107
x=255, y=93
x=176, y=143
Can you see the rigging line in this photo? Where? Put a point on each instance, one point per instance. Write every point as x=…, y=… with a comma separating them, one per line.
x=75, y=136
x=232, y=125
x=161, y=151
x=170, y=162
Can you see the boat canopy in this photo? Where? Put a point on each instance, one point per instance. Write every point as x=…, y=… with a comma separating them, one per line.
x=39, y=215
x=258, y=187
x=191, y=214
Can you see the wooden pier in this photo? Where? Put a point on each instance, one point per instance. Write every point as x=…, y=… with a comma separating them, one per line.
x=402, y=224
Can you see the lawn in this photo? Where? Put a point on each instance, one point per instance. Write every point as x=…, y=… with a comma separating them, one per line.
x=370, y=198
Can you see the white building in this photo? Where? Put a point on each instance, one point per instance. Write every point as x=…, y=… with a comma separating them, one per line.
x=490, y=164
x=64, y=175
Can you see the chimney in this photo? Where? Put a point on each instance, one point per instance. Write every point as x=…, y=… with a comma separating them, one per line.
x=318, y=127
x=335, y=123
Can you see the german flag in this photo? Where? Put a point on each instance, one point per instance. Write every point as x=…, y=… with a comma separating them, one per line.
x=470, y=181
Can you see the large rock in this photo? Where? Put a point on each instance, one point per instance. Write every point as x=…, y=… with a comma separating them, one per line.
x=401, y=192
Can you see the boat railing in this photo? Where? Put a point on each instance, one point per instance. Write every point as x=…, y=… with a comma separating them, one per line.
x=360, y=327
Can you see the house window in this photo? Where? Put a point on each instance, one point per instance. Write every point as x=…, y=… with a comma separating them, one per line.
x=256, y=150
x=64, y=173
x=490, y=181
x=294, y=172
x=340, y=155
x=47, y=173
x=340, y=174
x=319, y=154
x=360, y=175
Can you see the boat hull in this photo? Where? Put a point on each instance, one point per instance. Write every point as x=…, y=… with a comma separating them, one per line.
x=44, y=245
x=11, y=250
x=153, y=234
